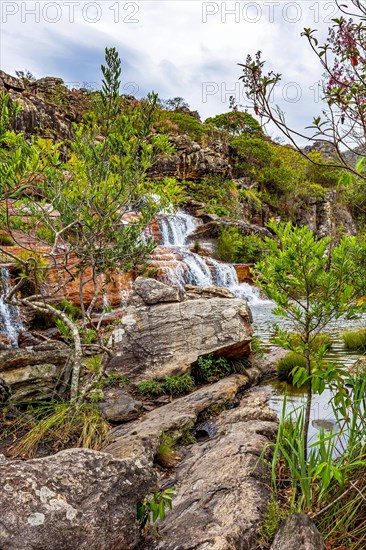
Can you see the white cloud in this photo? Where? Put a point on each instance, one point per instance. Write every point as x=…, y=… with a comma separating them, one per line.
x=173, y=47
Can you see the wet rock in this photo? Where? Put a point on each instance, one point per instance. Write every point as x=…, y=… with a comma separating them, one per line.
x=75, y=499
x=154, y=292
x=167, y=339
x=222, y=487
x=298, y=531
x=33, y=374
x=119, y=406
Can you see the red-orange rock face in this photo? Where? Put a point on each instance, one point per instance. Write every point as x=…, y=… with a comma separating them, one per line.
x=243, y=272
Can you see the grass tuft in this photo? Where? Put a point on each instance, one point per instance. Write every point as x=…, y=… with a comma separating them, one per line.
x=59, y=425
x=355, y=340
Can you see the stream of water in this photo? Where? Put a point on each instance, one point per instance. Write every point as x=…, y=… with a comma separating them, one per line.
x=193, y=268
x=10, y=318
x=205, y=271
x=322, y=414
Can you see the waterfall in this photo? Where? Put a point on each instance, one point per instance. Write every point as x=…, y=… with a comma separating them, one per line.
x=175, y=228
x=191, y=268
x=10, y=321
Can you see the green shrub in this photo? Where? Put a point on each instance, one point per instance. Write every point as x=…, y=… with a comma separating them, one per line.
x=251, y=249
x=236, y=123
x=231, y=246
x=355, y=340
x=210, y=368
x=151, y=388
x=171, y=385
x=220, y=194
x=150, y=509
x=288, y=363
x=178, y=385
x=171, y=122
x=227, y=244
x=71, y=311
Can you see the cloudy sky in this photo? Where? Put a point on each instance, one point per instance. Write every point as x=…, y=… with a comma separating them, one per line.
x=182, y=48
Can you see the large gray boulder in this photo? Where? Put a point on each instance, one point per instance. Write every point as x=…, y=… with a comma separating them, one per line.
x=153, y=292
x=222, y=485
x=298, y=532
x=161, y=339
x=75, y=499
x=34, y=373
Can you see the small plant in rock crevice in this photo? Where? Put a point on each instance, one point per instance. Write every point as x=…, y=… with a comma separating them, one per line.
x=274, y=517
x=210, y=369
x=153, y=507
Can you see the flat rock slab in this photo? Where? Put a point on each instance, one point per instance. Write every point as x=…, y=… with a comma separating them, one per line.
x=222, y=487
x=76, y=499
x=142, y=437
x=166, y=339
x=34, y=373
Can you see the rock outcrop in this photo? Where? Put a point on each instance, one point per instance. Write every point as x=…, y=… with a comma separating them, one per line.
x=298, y=531
x=142, y=437
x=212, y=229
x=222, y=486
x=34, y=373
x=48, y=107
x=162, y=339
x=75, y=499
x=192, y=161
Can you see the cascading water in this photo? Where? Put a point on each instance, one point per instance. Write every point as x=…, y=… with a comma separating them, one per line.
x=10, y=321
x=193, y=268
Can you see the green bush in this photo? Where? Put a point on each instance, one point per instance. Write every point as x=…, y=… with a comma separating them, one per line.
x=171, y=122
x=287, y=364
x=236, y=123
x=355, y=340
x=231, y=246
x=171, y=385
x=210, y=368
x=227, y=244
x=67, y=307
x=221, y=195
x=178, y=385
x=151, y=388
x=251, y=249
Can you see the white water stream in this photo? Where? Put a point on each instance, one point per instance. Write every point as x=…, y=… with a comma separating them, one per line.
x=193, y=268
x=10, y=319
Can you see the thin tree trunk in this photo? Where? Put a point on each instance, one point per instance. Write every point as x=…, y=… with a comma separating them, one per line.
x=308, y=405
x=77, y=354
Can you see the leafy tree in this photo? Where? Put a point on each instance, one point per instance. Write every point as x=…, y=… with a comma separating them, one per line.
x=236, y=123
x=342, y=125
x=85, y=226
x=312, y=285
x=175, y=104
